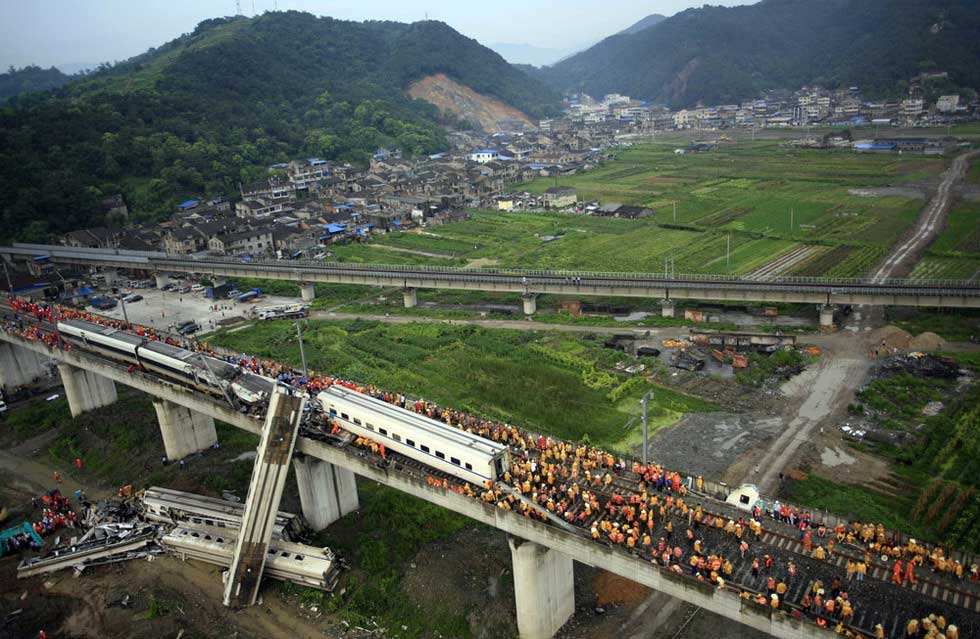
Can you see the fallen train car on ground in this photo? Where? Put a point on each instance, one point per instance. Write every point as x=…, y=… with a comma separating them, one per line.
x=168, y=506
x=288, y=561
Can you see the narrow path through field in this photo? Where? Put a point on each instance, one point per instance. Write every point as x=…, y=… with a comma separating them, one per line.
x=784, y=262
x=399, y=249
x=930, y=223
x=521, y=325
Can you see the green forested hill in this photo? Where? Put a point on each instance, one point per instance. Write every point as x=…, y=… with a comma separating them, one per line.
x=721, y=55
x=30, y=78
x=216, y=106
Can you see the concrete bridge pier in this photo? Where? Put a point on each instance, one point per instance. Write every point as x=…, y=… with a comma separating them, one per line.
x=530, y=303
x=827, y=316
x=411, y=298
x=667, y=308
x=184, y=431
x=111, y=276
x=161, y=280
x=326, y=492
x=307, y=291
x=20, y=366
x=85, y=390
x=544, y=588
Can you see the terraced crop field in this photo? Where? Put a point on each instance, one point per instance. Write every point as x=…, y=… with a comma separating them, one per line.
x=780, y=210
x=955, y=253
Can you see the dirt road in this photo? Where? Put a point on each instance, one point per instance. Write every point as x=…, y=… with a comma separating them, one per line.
x=930, y=223
x=824, y=391
x=520, y=325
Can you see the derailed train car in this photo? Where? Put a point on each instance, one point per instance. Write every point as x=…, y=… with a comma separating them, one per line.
x=168, y=506
x=200, y=371
x=453, y=451
x=288, y=561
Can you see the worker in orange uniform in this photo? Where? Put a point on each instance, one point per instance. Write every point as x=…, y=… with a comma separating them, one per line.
x=910, y=573
x=897, y=572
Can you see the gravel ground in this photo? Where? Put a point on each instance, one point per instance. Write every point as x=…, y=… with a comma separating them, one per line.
x=708, y=443
x=163, y=309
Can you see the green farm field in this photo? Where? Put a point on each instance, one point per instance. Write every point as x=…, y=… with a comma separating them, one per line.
x=484, y=371
x=763, y=200
x=955, y=253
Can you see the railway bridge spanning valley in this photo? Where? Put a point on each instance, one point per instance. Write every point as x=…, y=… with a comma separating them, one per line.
x=825, y=292
x=544, y=544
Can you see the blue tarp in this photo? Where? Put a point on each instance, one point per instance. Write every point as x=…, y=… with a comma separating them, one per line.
x=336, y=228
x=188, y=204
x=13, y=531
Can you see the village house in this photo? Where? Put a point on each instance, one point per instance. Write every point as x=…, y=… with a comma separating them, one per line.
x=560, y=197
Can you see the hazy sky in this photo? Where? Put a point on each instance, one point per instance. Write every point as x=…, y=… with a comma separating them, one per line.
x=60, y=32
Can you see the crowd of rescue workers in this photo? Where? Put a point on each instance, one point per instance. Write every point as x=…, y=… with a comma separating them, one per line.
x=648, y=510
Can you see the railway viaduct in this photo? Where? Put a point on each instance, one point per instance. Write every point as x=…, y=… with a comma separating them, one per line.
x=542, y=554
x=824, y=292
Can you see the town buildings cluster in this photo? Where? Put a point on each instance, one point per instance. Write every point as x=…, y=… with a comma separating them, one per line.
x=808, y=106
x=303, y=206
x=306, y=205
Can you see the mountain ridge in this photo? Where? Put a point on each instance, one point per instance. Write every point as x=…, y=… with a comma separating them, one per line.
x=213, y=108
x=645, y=23
x=726, y=54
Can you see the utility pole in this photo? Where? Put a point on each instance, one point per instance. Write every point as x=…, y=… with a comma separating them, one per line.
x=791, y=211
x=646, y=431
x=675, y=211
x=10, y=287
x=122, y=303
x=728, y=252
x=302, y=352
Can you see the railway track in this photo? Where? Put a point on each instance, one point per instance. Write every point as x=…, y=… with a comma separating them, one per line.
x=877, y=601
x=582, y=282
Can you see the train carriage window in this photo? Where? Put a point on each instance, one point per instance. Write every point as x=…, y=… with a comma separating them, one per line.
x=410, y=443
x=369, y=425
x=382, y=431
x=397, y=438
x=454, y=460
x=299, y=557
x=357, y=421
x=424, y=448
x=344, y=416
x=440, y=455
x=469, y=466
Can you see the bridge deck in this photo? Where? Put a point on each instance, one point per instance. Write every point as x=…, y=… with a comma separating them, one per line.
x=898, y=292
x=876, y=600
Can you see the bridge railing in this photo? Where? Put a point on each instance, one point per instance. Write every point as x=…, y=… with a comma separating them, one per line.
x=865, y=285
x=316, y=265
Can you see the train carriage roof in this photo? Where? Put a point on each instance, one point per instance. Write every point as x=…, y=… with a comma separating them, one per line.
x=436, y=428
x=105, y=331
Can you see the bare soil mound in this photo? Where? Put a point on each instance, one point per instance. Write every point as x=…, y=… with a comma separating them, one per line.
x=450, y=96
x=613, y=589
x=891, y=339
x=927, y=342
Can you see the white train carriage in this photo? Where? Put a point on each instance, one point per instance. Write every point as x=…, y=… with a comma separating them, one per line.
x=169, y=506
x=288, y=561
x=188, y=367
x=451, y=450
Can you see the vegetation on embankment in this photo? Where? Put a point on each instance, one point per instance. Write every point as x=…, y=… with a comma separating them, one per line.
x=554, y=383
x=936, y=479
